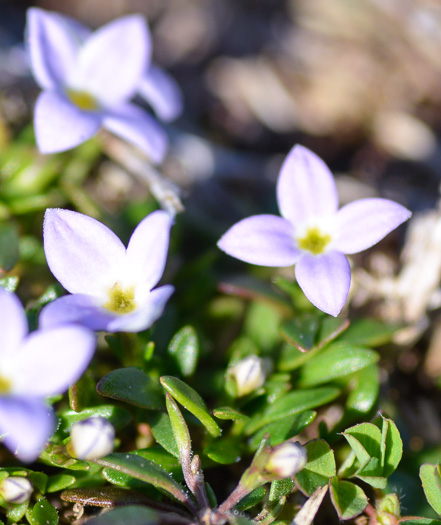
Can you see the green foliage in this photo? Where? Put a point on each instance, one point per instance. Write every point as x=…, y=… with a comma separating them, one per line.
x=431, y=479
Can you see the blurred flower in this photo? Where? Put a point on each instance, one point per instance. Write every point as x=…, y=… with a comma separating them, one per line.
x=88, y=78
x=32, y=367
x=92, y=438
x=16, y=489
x=286, y=459
x=111, y=285
x=248, y=374
x=312, y=233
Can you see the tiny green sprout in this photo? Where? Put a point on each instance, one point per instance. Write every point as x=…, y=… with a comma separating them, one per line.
x=388, y=510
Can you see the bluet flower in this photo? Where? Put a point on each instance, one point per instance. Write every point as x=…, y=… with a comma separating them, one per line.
x=111, y=286
x=32, y=367
x=312, y=232
x=91, y=438
x=88, y=79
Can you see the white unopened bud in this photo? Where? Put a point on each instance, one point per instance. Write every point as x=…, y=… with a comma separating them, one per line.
x=286, y=459
x=248, y=374
x=92, y=438
x=16, y=489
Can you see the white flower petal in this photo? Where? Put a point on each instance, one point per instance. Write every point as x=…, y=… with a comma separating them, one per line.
x=305, y=189
x=82, y=253
x=363, y=223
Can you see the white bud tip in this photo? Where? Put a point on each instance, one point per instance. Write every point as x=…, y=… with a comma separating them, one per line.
x=286, y=459
x=249, y=375
x=16, y=489
x=92, y=438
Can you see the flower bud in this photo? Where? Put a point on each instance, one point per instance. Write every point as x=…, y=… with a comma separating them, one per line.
x=16, y=489
x=248, y=374
x=91, y=438
x=286, y=459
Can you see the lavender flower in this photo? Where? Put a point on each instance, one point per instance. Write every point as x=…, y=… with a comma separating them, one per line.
x=88, y=78
x=33, y=367
x=312, y=233
x=111, y=285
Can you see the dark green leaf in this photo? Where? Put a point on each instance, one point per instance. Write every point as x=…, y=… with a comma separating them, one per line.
x=132, y=386
x=225, y=451
x=252, y=499
x=163, y=433
x=301, y=332
x=130, y=515
x=9, y=246
x=280, y=488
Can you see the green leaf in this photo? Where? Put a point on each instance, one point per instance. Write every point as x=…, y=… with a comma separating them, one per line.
x=369, y=332
x=319, y=469
x=132, y=386
x=130, y=514
x=43, y=512
x=251, y=499
x=330, y=329
x=291, y=404
x=16, y=512
x=59, y=482
x=228, y=413
x=262, y=324
x=363, y=396
x=179, y=427
x=163, y=433
x=393, y=446
x=280, y=488
x=283, y=429
x=419, y=521
x=9, y=283
x=225, y=451
x=348, y=499
x=365, y=440
x=9, y=246
x=192, y=401
x=119, y=417
x=431, y=479
x=337, y=360
x=301, y=332
x=144, y=470
x=184, y=349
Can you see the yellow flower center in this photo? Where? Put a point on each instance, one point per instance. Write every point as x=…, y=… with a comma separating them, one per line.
x=5, y=385
x=314, y=241
x=82, y=100
x=121, y=300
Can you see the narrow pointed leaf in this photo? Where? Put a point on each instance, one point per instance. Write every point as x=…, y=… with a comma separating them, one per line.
x=144, y=470
x=192, y=401
x=179, y=427
x=132, y=386
x=228, y=413
x=163, y=432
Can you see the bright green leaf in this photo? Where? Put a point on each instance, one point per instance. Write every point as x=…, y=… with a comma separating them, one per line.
x=163, y=433
x=369, y=332
x=192, y=401
x=179, y=427
x=228, y=413
x=348, y=499
x=319, y=469
x=59, y=482
x=431, y=480
x=184, y=349
x=43, y=512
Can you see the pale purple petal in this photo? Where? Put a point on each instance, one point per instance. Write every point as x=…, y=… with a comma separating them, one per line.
x=145, y=315
x=363, y=223
x=266, y=240
x=28, y=424
x=325, y=280
x=138, y=127
x=60, y=125
x=53, y=44
x=305, y=188
x=82, y=253
x=160, y=90
x=79, y=309
x=13, y=323
x=51, y=360
x=113, y=60
x=148, y=247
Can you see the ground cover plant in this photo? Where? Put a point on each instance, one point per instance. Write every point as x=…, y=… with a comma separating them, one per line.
x=181, y=346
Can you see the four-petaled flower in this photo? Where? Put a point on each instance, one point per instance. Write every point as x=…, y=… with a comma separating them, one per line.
x=32, y=367
x=88, y=78
x=312, y=233
x=111, y=286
